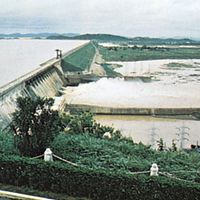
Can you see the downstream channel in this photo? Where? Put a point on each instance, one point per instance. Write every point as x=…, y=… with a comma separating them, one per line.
x=149, y=130
x=175, y=84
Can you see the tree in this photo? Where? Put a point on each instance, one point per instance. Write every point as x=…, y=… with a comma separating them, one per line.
x=84, y=123
x=35, y=125
x=174, y=147
x=160, y=145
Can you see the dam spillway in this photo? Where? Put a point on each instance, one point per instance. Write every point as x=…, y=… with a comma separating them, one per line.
x=24, y=72
x=173, y=90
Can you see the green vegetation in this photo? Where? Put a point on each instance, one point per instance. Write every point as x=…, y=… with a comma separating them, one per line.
x=82, y=59
x=102, y=37
x=68, y=67
x=106, y=166
x=180, y=65
x=106, y=181
x=7, y=143
x=123, y=155
x=97, y=153
x=96, y=37
x=110, y=70
x=35, y=125
x=83, y=123
x=135, y=53
x=125, y=40
x=94, y=183
x=162, y=41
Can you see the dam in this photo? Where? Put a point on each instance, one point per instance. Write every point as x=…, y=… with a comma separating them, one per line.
x=172, y=89
x=126, y=105
x=24, y=72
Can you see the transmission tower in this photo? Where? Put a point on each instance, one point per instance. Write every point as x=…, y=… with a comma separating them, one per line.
x=153, y=136
x=182, y=135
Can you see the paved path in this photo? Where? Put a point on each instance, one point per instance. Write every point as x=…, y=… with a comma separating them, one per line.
x=95, y=66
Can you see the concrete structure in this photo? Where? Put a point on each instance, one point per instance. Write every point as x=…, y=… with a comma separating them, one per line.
x=154, y=170
x=48, y=155
x=73, y=108
x=45, y=81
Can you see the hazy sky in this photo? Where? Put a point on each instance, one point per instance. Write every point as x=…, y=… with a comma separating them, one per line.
x=125, y=17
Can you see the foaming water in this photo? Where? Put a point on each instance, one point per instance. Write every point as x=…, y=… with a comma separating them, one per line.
x=171, y=87
x=177, y=87
x=119, y=93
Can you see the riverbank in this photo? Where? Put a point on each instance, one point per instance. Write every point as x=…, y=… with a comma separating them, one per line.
x=164, y=112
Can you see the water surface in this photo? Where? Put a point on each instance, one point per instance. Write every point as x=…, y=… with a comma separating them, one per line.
x=141, y=128
x=20, y=56
x=171, y=87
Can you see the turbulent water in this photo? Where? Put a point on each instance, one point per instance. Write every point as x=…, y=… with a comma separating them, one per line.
x=19, y=57
x=170, y=88
x=120, y=93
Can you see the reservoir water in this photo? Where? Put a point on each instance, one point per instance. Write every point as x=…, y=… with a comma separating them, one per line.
x=21, y=56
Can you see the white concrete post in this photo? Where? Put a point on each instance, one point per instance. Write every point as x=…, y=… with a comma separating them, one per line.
x=107, y=135
x=48, y=155
x=154, y=170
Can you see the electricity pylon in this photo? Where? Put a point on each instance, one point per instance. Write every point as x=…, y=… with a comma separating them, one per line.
x=153, y=136
x=182, y=135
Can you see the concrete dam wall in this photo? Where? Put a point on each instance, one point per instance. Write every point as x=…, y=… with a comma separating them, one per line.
x=45, y=81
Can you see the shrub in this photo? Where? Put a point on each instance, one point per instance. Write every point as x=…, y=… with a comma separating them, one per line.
x=7, y=143
x=83, y=122
x=94, y=184
x=35, y=125
x=98, y=153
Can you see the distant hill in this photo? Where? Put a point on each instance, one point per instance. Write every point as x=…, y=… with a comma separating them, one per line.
x=36, y=35
x=97, y=37
x=101, y=37
x=59, y=37
x=106, y=38
x=134, y=41
x=161, y=41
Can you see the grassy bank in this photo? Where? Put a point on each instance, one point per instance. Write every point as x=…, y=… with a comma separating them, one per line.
x=110, y=70
x=147, y=53
x=106, y=168
x=79, y=60
x=122, y=155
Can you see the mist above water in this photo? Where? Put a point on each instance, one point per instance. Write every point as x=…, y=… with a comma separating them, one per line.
x=120, y=93
x=172, y=88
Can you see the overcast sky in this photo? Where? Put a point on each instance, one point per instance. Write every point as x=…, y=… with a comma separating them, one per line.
x=155, y=18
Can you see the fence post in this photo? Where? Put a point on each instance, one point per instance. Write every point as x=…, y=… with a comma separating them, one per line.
x=154, y=170
x=48, y=155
